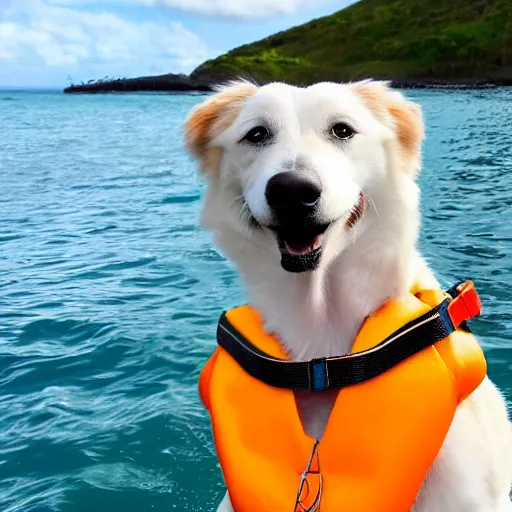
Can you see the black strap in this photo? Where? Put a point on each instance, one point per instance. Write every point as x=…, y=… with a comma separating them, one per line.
x=343, y=371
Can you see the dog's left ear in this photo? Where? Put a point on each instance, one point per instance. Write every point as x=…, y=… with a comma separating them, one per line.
x=409, y=128
x=401, y=115
x=211, y=118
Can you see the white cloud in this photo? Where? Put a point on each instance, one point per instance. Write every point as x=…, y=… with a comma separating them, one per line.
x=235, y=8
x=238, y=9
x=35, y=33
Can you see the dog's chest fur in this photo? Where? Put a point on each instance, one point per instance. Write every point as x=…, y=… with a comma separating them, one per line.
x=320, y=315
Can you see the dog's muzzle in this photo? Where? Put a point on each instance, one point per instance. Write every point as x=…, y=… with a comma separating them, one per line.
x=300, y=229
x=294, y=199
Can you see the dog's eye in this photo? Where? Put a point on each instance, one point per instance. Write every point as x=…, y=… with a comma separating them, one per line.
x=257, y=135
x=342, y=131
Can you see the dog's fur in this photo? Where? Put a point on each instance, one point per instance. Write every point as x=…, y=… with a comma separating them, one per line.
x=364, y=261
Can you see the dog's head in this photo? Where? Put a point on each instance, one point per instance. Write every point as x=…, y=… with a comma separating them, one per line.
x=290, y=168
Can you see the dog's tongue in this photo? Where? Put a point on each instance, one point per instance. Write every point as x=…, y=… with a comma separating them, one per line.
x=299, y=248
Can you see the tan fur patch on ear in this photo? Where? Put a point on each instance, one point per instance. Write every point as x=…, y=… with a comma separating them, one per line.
x=406, y=118
x=374, y=96
x=211, y=118
x=409, y=125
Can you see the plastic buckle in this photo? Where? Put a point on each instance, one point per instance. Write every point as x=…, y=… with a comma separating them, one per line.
x=318, y=375
x=465, y=305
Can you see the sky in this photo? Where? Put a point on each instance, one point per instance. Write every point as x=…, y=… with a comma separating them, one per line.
x=47, y=43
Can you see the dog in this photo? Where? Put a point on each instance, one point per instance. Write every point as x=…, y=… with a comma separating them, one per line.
x=346, y=156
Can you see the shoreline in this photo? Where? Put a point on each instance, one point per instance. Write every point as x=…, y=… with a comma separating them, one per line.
x=183, y=83
x=160, y=83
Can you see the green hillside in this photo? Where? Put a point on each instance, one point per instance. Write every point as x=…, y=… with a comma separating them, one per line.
x=394, y=39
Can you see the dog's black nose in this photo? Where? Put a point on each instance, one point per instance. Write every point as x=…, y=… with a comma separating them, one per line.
x=290, y=193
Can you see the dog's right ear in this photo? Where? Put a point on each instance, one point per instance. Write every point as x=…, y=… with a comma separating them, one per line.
x=211, y=118
x=401, y=115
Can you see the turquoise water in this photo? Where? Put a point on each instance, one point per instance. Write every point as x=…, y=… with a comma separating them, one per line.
x=109, y=293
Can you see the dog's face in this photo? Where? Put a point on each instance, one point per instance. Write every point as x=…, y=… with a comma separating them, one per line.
x=292, y=167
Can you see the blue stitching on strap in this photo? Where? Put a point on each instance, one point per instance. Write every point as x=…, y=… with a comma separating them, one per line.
x=445, y=317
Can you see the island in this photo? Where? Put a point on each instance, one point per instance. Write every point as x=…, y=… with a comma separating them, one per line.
x=411, y=43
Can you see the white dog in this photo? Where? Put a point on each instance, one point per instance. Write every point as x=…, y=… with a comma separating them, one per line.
x=348, y=155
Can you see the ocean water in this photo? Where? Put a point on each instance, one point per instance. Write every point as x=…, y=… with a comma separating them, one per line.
x=110, y=294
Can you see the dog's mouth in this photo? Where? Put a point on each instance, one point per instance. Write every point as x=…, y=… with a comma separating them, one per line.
x=301, y=246
x=301, y=249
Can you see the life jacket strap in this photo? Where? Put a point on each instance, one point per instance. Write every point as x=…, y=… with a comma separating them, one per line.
x=322, y=374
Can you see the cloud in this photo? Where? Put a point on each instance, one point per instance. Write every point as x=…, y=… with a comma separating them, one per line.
x=238, y=9
x=35, y=33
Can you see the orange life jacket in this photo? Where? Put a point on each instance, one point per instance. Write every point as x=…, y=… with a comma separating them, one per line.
x=382, y=435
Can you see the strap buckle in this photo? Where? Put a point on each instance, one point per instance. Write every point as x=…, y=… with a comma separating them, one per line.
x=318, y=375
x=465, y=304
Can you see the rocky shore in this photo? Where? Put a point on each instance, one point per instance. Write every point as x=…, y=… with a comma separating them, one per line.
x=184, y=83
x=161, y=83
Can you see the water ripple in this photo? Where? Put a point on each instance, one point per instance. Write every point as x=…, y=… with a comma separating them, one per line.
x=109, y=292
